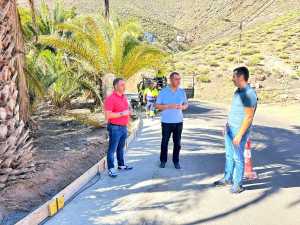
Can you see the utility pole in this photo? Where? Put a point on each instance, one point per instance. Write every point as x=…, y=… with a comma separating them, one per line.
x=106, y=9
x=241, y=23
x=240, y=42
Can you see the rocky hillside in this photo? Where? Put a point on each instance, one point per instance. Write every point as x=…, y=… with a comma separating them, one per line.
x=198, y=20
x=203, y=20
x=271, y=50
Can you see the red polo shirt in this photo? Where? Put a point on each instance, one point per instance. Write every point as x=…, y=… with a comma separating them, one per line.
x=117, y=103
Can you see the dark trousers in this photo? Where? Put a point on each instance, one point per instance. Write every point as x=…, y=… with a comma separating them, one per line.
x=176, y=130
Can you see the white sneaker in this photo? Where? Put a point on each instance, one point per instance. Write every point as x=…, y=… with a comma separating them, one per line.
x=112, y=172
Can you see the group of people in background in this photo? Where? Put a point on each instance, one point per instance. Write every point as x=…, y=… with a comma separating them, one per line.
x=171, y=101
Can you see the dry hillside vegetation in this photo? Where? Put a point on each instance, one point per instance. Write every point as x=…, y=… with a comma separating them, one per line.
x=270, y=50
x=199, y=20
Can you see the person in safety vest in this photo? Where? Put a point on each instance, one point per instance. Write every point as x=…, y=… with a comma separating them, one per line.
x=150, y=96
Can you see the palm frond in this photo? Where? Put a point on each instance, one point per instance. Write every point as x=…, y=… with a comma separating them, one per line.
x=78, y=31
x=64, y=89
x=101, y=41
x=120, y=34
x=72, y=47
x=35, y=85
x=88, y=85
x=142, y=57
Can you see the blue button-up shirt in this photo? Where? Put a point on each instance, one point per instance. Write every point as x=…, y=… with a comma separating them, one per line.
x=168, y=96
x=242, y=98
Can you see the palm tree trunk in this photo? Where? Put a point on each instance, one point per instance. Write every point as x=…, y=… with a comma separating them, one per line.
x=33, y=16
x=20, y=63
x=106, y=6
x=107, y=84
x=16, y=161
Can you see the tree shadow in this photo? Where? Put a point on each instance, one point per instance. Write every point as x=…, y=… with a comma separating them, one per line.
x=275, y=155
x=278, y=161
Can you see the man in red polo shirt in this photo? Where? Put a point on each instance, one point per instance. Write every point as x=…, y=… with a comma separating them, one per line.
x=117, y=113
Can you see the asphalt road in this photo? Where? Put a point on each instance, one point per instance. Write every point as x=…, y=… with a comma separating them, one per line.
x=150, y=195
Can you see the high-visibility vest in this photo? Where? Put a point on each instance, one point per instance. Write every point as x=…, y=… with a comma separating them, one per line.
x=151, y=94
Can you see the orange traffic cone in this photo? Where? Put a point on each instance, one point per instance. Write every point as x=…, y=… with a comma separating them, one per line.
x=249, y=173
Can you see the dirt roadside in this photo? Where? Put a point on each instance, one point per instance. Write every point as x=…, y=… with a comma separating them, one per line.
x=65, y=149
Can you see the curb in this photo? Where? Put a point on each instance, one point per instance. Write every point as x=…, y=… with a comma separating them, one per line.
x=42, y=212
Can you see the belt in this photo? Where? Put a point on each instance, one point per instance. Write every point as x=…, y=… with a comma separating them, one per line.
x=117, y=125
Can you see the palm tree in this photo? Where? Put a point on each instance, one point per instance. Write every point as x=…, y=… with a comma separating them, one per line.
x=106, y=47
x=106, y=7
x=33, y=16
x=42, y=21
x=16, y=161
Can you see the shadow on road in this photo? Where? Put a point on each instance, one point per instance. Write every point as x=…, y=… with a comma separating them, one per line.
x=276, y=156
x=276, y=159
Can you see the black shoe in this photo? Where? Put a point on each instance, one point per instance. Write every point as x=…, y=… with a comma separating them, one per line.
x=125, y=167
x=177, y=166
x=162, y=165
x=222, y=182
x=237, y=189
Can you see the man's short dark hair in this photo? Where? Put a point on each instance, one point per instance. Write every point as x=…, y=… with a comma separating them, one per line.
x=173, y=74
x=116, y=81
x=242, y=71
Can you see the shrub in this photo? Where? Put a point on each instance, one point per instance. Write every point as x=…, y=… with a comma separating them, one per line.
x=249, y=51
x=203, y=71
x=280, y=46
x=295, y=76
x=203, y=79
x=218, y=57
x=233, y=51
x=230, y=58
x=213, y=63
x=255, y=60
x=284, y=56
x=226, y=43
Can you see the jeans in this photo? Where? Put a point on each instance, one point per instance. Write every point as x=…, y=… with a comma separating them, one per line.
x=150, y=106
x=167, y=130
x=234, y=166
x=117, y=140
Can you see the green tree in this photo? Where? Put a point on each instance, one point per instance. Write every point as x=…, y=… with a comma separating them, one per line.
x=43, y=21
x=106, y=47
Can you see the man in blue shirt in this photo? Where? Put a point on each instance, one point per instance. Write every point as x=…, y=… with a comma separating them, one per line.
x=171, y=101
x=237, y=129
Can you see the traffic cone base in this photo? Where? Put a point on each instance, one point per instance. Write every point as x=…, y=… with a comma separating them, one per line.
x=249, y=173
x=251, y=176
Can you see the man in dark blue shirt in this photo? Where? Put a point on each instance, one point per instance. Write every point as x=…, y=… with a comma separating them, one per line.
x=237, y=130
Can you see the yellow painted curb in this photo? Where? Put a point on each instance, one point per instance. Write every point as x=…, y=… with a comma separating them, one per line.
x=52, y=206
